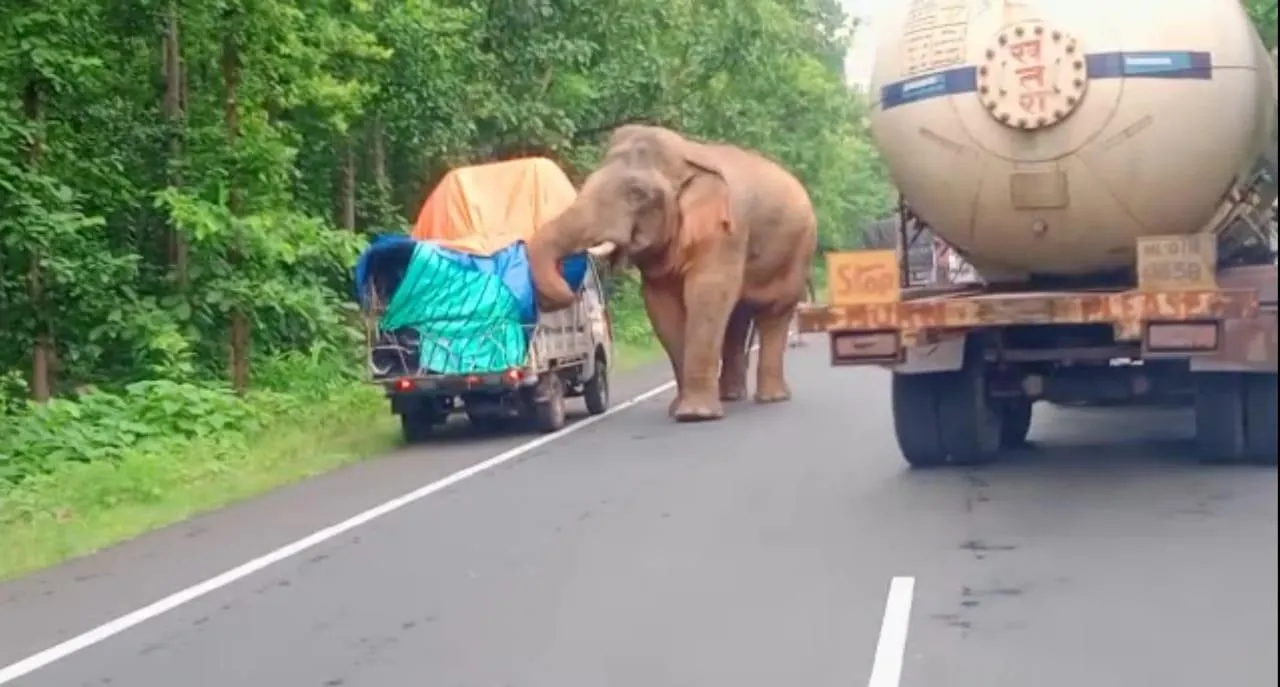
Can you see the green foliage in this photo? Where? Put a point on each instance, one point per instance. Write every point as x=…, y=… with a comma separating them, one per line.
x=165, y=415
x=1263, y=13
x=630, y=323
x=107, y=426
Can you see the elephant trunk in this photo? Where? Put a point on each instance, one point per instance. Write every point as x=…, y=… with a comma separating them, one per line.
x=558, y=238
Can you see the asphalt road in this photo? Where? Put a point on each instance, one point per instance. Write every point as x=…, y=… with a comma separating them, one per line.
x=757, y=551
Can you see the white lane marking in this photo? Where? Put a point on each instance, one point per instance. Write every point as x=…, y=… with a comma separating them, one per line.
x=886, y=669
x=111, y=628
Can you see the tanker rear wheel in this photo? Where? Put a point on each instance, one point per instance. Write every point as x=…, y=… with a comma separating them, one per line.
x=1260, y=409
x=946, y=418
x=916, y=420
x=1220, y=416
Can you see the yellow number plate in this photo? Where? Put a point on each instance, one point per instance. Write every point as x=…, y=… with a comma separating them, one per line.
x=1177, y=263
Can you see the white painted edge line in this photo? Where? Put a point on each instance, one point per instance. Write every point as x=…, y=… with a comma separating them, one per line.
x=111, y=628
x=886, y=668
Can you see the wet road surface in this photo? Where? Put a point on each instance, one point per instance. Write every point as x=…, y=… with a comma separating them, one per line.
x=753, y=552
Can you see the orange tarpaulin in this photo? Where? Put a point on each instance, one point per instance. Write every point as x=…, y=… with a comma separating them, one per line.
x=485, y=208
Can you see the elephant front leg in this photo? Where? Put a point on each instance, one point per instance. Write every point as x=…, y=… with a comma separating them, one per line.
x=708, y=301
x=733, y=370
x=771, y=385
x=665, y=308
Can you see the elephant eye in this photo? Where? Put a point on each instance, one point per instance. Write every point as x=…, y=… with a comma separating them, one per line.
x=637, y=195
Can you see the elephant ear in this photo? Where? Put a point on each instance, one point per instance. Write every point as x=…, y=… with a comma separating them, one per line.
x=705, y=219
x=700, y=159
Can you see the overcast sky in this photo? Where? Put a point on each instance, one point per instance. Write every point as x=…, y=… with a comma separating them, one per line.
x=857, y=63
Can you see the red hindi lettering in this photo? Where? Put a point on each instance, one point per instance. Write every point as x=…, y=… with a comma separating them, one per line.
x=1026, y=50
x=1032, y=102
x=1031, y=77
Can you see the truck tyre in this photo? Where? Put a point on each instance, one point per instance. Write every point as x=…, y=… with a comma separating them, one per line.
x=970, y=423
x=416, y=425
x=595, y=393
x=945, y=418
x=1260, y=417
x=1015, y=423
x=915, y=420
x=1220, y=416
x=548, y=411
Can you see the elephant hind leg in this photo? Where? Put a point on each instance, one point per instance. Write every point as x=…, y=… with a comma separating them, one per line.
x=771, y=385
x=733, y=366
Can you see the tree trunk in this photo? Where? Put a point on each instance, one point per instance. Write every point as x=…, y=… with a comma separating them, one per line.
x=174, y=116
x=383, y=211
x=347, y=185
x=240, y=334
x=379, y=162
x=42, y=350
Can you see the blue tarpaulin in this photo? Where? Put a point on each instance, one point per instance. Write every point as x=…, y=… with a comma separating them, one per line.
x=473, y=313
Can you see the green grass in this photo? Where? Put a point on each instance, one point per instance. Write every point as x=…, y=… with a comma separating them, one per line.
x=633, y=355
x=80, y=508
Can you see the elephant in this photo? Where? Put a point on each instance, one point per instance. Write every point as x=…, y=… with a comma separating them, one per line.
x=722, y=237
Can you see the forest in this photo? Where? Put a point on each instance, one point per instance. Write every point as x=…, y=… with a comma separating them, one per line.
x=184, y=187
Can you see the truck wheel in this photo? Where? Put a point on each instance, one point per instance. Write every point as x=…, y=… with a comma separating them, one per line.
x=416, y=425
x=945, y=417
x=915, y=420
x=1260, y=417
x=549, y=415
x=970, y=424
x=596, y=391
x=1015, y=423
x=1220, y=416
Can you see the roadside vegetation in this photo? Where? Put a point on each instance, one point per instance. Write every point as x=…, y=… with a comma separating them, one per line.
x=184, y=187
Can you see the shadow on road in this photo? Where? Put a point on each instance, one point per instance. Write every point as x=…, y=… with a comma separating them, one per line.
x=459, y=432
x=1106, y=457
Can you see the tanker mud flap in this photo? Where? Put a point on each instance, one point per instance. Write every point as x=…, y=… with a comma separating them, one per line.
x=947, y=418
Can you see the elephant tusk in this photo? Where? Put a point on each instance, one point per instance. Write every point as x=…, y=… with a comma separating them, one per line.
x=603, y=250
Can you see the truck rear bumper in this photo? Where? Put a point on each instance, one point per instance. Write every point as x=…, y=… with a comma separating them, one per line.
x=455, y=385
x=1165, y=323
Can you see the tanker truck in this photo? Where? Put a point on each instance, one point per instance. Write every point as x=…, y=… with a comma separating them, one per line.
x=1108, y=169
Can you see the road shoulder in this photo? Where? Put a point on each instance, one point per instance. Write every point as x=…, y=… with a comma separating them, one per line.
x=59, y=602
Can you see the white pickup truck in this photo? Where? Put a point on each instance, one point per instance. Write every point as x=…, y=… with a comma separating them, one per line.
x=570, y=354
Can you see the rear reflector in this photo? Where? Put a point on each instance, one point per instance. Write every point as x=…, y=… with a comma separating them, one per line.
x=1181, y=337
x=850, y=348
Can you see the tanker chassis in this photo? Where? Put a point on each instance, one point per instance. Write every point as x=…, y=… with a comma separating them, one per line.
x=969, y=361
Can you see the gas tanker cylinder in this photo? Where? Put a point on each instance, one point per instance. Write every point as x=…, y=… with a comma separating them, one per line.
x=1045, y=138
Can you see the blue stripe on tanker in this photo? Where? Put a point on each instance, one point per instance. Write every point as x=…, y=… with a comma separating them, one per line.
x=1179, y=64
x=917, y=88
x=1169, y=64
